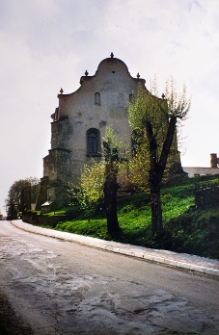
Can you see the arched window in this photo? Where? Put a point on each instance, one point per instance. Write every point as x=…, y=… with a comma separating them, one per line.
x=93, y=142
x=97, y=98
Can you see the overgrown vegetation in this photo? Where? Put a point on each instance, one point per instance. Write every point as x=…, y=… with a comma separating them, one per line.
x=21, y=194
x=98, y=184
x=186, y=228
x=154, y=122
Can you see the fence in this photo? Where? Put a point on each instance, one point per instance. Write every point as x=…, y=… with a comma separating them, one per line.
x=207, y=195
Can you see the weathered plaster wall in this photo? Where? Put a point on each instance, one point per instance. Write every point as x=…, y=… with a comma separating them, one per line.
x=60, y=133
x=57, y=165
x=43, y=192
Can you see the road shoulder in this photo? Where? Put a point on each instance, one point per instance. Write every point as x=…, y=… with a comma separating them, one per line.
x=190, y=263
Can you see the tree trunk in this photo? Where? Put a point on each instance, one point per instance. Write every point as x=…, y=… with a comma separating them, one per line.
x=157, y=170
x=156, y=208
x=155, y=182
x=155, y=187
x=110, y=203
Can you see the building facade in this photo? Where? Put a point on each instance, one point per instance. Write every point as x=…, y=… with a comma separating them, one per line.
x=79, y=122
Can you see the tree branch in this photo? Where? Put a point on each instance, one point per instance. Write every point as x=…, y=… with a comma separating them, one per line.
x=167, y=144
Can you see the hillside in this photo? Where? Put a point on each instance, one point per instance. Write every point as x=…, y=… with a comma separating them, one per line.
x=186, y=228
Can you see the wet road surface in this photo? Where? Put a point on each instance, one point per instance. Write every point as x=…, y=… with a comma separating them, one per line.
x=57, y=287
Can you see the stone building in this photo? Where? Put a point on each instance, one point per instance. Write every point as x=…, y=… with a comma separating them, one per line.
x=79, y=122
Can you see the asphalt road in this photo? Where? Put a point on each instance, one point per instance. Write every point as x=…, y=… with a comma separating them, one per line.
x=57, y=287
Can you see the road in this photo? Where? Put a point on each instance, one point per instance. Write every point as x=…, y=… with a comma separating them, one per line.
x=57, y=287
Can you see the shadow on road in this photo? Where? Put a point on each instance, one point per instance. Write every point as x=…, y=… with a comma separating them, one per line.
x=10, y=323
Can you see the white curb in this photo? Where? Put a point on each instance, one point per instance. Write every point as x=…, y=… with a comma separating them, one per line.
x=142, y=253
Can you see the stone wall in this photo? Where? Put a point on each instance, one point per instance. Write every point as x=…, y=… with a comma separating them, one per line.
x=207, y=195
x=41, y=220
x=60, y=133
x=57, y=165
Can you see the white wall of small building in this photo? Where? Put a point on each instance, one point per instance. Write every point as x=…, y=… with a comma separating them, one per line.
x=201, y=171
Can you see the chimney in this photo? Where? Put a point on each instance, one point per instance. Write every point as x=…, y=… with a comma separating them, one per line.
x=213, y=161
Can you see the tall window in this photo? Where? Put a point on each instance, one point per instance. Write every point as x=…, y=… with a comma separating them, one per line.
x=97, y=98
x=93, y=138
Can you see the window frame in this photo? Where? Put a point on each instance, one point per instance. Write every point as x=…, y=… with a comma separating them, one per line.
x=97, y=99
x=95, y=147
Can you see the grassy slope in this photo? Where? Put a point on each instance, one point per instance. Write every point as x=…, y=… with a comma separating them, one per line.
x=186, y=228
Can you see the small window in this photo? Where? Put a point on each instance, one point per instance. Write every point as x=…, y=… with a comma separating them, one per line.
x=97, y=98
x=93, y=142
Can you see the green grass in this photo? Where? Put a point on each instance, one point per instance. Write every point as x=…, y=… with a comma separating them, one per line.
x=196, y=232
x=186, y=229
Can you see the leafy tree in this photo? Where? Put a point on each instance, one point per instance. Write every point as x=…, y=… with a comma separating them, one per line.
x=98, y=183
x=89, y=192
x=35, y=188
x=154, y=123
x=20, y=196
x=110, y=187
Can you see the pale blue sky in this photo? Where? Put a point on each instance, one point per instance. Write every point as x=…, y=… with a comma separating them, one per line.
x=48, y=44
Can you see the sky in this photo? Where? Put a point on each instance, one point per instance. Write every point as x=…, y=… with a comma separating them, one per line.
x=46, y=45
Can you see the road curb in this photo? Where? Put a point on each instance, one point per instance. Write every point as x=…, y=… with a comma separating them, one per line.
x=207, y=269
